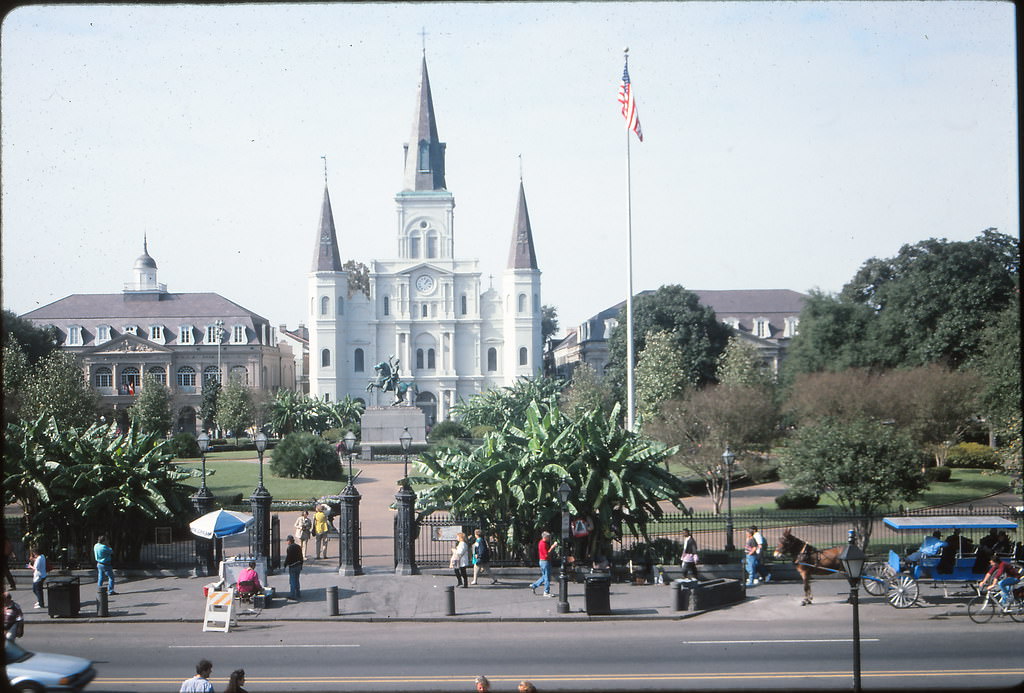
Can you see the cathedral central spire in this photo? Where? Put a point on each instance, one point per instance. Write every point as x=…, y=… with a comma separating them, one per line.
x=424, y=154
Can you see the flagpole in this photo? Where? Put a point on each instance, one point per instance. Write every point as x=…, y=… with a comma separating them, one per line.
x=630, y=386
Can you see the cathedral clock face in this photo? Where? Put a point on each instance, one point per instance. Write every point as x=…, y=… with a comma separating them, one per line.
x=424, y=283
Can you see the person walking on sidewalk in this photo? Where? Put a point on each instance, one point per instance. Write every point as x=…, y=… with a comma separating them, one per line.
x=200, y=683
x=481, y=557
x=544, y=547
x=293, y=563
x=762, y=557
x=37, y=562
x=689, y=557
x=104, y=569
x=320, y=528
x=460, y=560
x=750, y=547
x=303, y=529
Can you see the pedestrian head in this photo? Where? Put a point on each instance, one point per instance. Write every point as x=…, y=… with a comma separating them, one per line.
x=545, y=535
x=753, y=528
x=204, y=668
x=527, y=687
x=305, y=513
x=102, y=539
x=478, y=533
x=290, y=539
x=237, y=680
x=685, y=532
x=482, y=684
x=461, y=536
x=252, y=564
x=8, y=599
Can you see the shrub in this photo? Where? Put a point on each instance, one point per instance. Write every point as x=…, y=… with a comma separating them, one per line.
x=184, y=445
x=305, y=456
x=797, y=500
x=480, y=431
x=937, y=473
x=334, y=435
x=447, y=429
x=761, y=470
x=973, y=456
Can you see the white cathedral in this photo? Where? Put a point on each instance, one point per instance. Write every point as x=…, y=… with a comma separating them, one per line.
x=426, y=308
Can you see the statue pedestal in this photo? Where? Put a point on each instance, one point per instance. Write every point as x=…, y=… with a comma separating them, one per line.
x=384, y=426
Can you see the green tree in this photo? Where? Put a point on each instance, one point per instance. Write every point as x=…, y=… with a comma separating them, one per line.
x=208, y=406
x=698, y=334
x=586, y=392
x=16, y=372
x=35, y=342
x=345, y=413
x=926, y=305
x=999, y=367
x=741, y=364
x=291, y=412
x=865, y=466
x=235, y=409
x=358, y=277
x=495, y=408
x=56, y=387
x=702, y=424
x=304, y=455
x=660, y=375
x=74, y=484
x=548, y=322
x=151, y=411
x=514, y=475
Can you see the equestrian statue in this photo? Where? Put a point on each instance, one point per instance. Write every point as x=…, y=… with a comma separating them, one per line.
x=389, y=379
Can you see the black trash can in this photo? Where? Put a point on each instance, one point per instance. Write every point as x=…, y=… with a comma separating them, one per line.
x=596, y=594
x=62, y=596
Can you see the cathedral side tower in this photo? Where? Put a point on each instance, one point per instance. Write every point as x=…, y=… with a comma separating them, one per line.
x=523, y=355
x=327, y=293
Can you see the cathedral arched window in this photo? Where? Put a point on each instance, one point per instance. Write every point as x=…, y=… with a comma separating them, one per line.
x=423, y=310
x=522, y=356
x=357, y=360
x=492, y=359
x=414, y=245
x=325, y=305
x=522, y=303
x=325, y=358
x=431, y=363
x=187, y=377
x=465, y=304
x=432, y=244
x=341, y=305
x=387, y=306
x=419, y=359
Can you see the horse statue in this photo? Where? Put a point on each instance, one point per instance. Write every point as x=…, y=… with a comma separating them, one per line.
x=809, y=560
x=389, y=379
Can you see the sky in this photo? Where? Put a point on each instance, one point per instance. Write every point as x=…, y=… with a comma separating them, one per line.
x=784, y=143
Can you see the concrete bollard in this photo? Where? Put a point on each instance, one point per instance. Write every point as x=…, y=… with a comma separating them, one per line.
x=102, y=609
x=332, y=600
x=450, y=594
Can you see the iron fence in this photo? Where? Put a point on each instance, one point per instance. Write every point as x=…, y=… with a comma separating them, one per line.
x=435, y=539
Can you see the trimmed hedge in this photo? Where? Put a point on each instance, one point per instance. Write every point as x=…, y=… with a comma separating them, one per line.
x=973, y=456
x=938, y=474
x=797, y=500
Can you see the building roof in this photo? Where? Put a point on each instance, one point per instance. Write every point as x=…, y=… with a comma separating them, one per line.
x=125, y=306
x=522, y=255
x=327, y=257
x=426, y=173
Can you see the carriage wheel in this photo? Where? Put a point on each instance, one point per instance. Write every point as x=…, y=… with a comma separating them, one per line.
x=876, y=579
x=903, y=591
x=981, y=609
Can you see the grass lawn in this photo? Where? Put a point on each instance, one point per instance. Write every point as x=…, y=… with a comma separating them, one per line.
x=963, y=485
x=232, y=477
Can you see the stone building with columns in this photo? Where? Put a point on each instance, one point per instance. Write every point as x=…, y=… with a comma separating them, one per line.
x=184, y=340
x=453, y=336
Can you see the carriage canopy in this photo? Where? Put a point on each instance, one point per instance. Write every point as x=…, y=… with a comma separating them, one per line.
x=949, y=522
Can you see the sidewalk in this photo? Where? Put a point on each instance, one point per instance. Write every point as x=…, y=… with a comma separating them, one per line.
x=381, y=596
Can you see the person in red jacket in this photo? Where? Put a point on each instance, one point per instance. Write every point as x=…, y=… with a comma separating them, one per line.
x=1000, y=575
x=544, y=547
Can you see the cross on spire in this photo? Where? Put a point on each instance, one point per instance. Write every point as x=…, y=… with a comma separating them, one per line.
x=423, y=37
x=324, y=157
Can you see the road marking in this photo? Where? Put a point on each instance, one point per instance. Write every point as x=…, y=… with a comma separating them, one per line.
x=250, y=647
x=770, y=642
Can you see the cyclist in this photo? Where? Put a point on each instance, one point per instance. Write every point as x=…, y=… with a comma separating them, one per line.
x=1002, y=575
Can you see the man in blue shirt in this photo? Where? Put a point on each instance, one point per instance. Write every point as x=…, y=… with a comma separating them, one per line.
x=104, y=555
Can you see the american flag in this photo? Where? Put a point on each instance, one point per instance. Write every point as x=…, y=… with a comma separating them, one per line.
x=629, y=104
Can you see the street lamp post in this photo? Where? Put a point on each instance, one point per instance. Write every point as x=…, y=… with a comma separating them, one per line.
x=564, y=490
x=202, y=503
x=728, y=457
x=348, y=549
x=261, y=500
x=405, y=526
x=853, y=559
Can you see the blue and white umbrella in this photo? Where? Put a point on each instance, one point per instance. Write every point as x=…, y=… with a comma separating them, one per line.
x=221, y=523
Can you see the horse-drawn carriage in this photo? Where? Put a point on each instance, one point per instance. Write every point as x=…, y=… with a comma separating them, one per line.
x=899, y=578
x=960, y=560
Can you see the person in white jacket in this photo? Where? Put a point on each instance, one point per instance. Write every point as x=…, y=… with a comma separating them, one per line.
x=37, y=562
x=460, y=560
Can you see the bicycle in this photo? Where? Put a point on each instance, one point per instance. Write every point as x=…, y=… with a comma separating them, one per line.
x=988, y=603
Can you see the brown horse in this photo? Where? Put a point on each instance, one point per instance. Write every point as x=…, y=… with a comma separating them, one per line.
x=809, y=560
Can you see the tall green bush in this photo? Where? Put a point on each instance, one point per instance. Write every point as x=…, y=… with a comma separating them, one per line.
x=973, y=456
x=305, y=456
